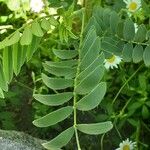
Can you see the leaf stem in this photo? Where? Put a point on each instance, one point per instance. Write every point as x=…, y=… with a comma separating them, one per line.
x=75, y=83
x=126, y=83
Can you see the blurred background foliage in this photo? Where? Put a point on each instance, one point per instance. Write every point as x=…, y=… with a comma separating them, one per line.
x=129, y=112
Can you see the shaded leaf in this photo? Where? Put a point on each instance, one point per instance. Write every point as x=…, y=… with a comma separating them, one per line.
x=146, y=56
x=128, y=30
x=140, y=35
x=8, y=64
x=127, y=52
x=137, y=53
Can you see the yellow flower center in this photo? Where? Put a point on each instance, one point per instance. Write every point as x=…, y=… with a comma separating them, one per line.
x=112, y=59
x=126, y=147
x=133, y=6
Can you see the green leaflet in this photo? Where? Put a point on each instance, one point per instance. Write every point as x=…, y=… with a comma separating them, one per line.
x=95, y=128
x=90, y=81
x=54, y=99
x=88, y=41
x=110, y=48
x=53, y=117
x=96, y=26
x=98, y=61
x=137, y=54
x=10, y=41
x=26, y=37
x=14, y=38
x=120, y=29
x=114, y=20
x=93, y=99
x=145, y=112
x=3, y=82
x=146, y=56
x=61, y=140
x=91, y=54
x=60, y=71
x=140, y=35
x=128, y=30
x=57, y=83
x=45, y=24
x=106, y=17
x=33, y=47
x=127, y=52
x=67, y=63
x=65, y=54
x=17, y=58
x=1, y=93
x=8, y=63
x=53, y=21
x=36, y=29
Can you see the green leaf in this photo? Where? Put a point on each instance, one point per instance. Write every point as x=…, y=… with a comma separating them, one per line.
x=137, y=54
x=59, y=71
x=67, y=63
x=90, y=81
x=3, y=83
x=114, y=20
x=26, y=37
x=106, y=17
x=36, y=29
x=65, y=54
x=93, y=22
x=140, y=35
x=54, y=99
x=95, y=128
x=14, y=38
x=120, y=29
x=145, y=112
x=33, y=47
x=8, y=64
x=91, y=54
x=127, y=52
x=17, y=58
x=1, y=93
x=97, y=62
x=129, y=30
x=57, y=83
x=61, y=140
x=53, y=21
x=53, y=117
x=93, y=99
x=109, y=46
x=88, y=42
x=45, y=24
x=146, y=56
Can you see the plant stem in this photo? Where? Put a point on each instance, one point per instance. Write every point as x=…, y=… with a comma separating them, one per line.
x=75, y=83
x=126, y=83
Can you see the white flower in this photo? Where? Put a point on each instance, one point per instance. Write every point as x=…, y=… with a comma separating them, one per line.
x=127, y=145
x=133, y=5
x=112, y=62
x=36, y=5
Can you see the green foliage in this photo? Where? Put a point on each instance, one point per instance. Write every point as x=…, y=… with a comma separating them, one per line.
x=85, y=77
